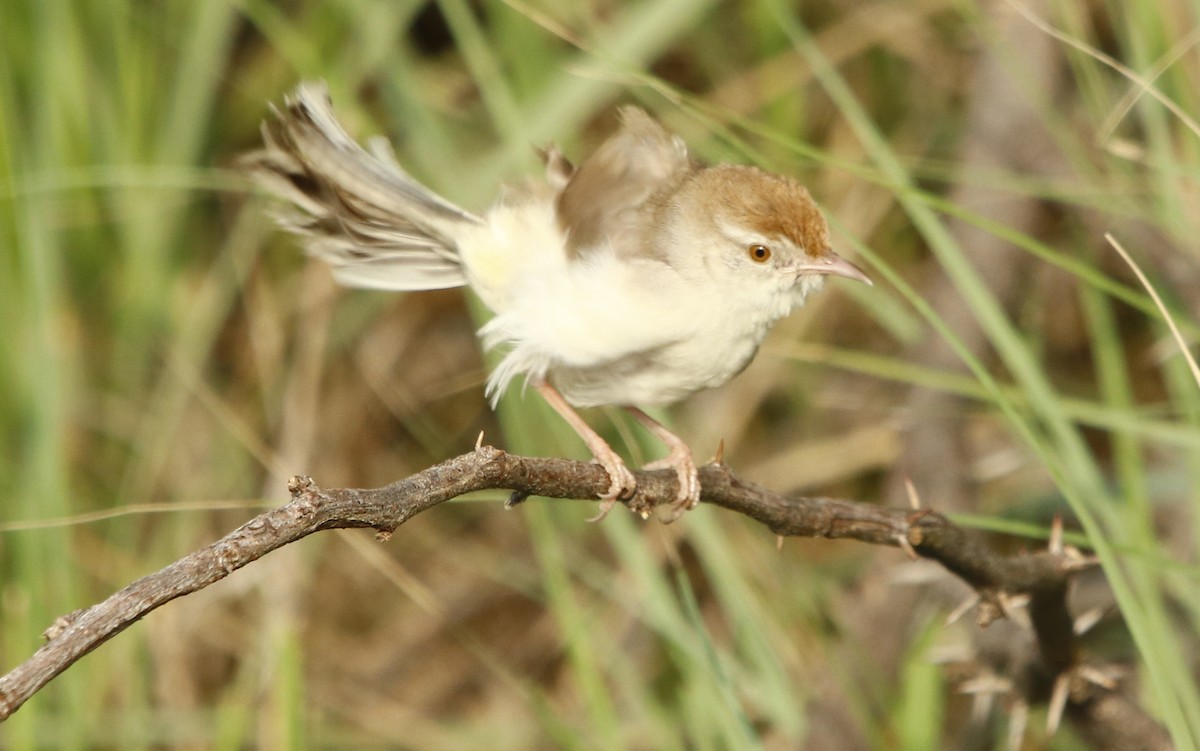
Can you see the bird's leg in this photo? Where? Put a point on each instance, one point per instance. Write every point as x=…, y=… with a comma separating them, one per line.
x=622, y=482
x=679, y=459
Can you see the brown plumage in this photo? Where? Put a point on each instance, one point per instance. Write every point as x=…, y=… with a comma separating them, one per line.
x=638, y=277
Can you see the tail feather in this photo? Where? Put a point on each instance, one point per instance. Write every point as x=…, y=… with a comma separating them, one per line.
x=359, y=211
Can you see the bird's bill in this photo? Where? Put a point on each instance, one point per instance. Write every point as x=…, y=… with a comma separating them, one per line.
x=831, y=264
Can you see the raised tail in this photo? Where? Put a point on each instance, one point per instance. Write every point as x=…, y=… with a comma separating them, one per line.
x=359, y=211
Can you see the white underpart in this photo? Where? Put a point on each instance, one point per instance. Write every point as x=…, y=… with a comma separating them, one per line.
x=607, y=330
x=552, y=312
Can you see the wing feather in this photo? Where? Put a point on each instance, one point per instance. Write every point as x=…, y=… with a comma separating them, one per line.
x=607, y=199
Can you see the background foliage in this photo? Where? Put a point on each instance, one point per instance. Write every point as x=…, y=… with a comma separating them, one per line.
x=167, y=360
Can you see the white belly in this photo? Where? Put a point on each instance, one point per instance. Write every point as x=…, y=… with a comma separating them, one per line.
x=608, y=329
x=657, y=377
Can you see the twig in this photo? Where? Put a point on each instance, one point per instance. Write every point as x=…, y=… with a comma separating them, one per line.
x=1043, y=577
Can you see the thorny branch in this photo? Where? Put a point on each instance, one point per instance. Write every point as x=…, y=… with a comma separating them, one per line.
x=1041, y=577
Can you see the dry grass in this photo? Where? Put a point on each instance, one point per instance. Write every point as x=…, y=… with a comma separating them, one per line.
x=163, y=345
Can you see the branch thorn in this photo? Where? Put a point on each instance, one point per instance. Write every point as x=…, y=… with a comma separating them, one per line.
x=914, y=499
x=906, y=546
x=1058, y=702
x=1055, y=545
x=962, y=609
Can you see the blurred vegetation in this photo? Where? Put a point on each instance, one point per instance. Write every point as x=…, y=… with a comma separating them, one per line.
x=167, y=359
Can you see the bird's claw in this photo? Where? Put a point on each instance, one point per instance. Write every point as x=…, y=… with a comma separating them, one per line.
x=688, y=495
x=622, y=483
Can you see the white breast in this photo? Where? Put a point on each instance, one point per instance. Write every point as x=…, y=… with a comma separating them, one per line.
x=605, y=329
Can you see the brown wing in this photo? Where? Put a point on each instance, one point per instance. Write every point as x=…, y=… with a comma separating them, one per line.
x=605, y=200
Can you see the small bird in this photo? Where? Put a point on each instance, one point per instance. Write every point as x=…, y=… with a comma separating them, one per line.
x=634, y=279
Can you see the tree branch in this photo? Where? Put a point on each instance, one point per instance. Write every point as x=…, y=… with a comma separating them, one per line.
x=1042, y=576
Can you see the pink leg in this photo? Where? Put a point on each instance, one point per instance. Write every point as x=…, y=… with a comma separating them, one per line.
x=679, y=459
x=623, y=483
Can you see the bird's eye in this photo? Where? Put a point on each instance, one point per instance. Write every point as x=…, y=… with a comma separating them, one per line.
x=759, y=253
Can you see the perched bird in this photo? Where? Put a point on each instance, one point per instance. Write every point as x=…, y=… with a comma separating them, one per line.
x=636, y=278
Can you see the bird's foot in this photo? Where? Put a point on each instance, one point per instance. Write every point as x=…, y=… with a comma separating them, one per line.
x=678, y=458
x=622, y=483
x=688, y=496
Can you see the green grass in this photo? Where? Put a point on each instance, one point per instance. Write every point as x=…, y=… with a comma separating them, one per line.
x=162, y=345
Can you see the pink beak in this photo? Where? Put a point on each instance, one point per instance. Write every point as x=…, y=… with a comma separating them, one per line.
x=832, y=264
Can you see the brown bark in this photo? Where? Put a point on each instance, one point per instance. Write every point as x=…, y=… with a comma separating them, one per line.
x=1042, y=576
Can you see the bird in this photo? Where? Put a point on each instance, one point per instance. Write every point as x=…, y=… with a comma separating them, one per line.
x=634, y=279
